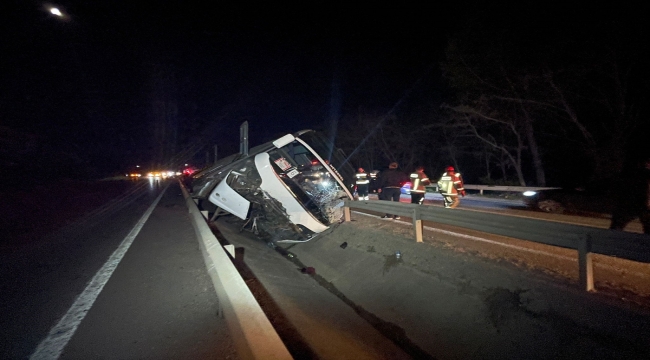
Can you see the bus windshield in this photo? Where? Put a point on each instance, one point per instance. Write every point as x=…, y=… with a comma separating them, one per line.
x=310, y=182
x=334, y=156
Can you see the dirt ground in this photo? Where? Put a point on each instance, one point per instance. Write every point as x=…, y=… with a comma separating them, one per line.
x=455, y=300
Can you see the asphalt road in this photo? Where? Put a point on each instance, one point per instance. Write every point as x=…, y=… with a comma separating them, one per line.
x=156, y=301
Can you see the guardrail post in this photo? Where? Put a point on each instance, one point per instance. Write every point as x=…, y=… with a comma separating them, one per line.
x=417, y=224
x=346, y=212
x=585, y=264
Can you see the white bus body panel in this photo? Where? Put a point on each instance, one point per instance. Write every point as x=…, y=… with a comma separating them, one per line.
x=276, y=189
x=287, y=139
x=229, y=200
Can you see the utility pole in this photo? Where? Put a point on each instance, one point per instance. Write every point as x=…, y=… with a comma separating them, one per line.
x=243, y=138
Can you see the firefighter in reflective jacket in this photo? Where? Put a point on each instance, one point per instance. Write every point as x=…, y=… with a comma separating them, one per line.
x=362, y=184
x=418, y=181
x=450, y=186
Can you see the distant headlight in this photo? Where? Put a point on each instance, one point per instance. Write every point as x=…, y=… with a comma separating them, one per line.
x=530, y=193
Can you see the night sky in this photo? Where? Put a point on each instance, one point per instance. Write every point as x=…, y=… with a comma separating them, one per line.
x=84, y=85
x=86, y=81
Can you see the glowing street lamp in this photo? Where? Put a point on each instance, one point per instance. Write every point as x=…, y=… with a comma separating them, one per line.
x=56, y=12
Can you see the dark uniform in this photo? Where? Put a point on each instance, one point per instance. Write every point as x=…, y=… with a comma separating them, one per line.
x=390, y=183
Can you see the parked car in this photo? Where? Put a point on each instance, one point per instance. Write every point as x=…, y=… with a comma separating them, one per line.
x=406, y=188
x=592, y=200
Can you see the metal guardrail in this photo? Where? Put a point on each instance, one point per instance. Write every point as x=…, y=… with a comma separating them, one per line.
x=635, y=247
x=252, y=332
x=481, y=188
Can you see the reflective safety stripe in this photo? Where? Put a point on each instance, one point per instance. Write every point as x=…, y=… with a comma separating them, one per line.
x=459, y=182
x=450, y=184
x=418, y=181
x=446, y=185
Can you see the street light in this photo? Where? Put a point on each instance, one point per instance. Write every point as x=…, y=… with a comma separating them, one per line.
x=56, y=12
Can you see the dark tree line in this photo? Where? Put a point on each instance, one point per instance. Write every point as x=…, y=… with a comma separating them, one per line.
x=532, y=101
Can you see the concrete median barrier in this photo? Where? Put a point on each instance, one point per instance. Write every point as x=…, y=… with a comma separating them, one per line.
x=253, y=334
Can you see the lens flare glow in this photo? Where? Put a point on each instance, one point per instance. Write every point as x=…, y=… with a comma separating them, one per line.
x=56, y=12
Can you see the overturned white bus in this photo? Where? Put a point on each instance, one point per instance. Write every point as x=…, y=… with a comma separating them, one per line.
x=287, y=190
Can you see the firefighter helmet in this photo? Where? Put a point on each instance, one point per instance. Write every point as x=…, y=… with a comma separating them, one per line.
x=450, y=168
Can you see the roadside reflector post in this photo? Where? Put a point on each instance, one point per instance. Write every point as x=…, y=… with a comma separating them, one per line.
x=417, y=224
x=346, y=212
x=585, y=263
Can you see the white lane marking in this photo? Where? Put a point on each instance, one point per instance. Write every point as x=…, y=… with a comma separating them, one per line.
x=52, y=346
x=476, y=238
